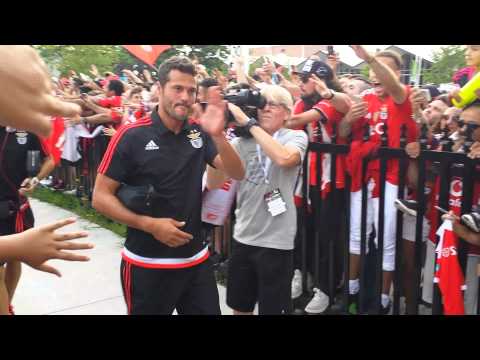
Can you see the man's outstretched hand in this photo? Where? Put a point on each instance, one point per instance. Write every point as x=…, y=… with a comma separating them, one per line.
x=42, y=243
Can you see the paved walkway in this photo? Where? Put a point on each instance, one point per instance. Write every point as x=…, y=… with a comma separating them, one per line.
x=91, y=288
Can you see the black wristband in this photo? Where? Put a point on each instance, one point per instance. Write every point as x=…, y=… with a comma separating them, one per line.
x=251, y=122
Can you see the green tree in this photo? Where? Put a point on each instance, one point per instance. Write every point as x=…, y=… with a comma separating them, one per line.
x=446, y=62
x=81, y=57
x=365, y=71
x=107, y=57
x=211, y=56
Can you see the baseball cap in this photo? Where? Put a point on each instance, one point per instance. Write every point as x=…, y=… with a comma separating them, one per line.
x=319, y=68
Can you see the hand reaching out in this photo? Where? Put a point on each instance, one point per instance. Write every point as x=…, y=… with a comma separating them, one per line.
x=213, y=119
x=24, y=74
x=42, y=243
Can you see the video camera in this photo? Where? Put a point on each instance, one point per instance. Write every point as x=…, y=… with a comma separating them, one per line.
x=246, y=99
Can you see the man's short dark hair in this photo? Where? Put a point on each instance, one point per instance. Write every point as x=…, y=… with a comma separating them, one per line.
x=180, y=63
x=391, y=55
x=208, y=82
x=116, y=86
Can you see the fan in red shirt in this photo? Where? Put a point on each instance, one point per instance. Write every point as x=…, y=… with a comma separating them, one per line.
x=109, y=112
x=321, y=109
x=134, y=110
x=388, y=106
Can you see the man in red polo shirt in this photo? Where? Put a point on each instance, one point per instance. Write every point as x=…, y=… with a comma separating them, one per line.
x=387, y=103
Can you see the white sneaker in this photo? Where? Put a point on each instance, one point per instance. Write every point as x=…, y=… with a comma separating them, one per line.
x=46, y=182
x=297, y=288
x=319, y=302
x=70, y=192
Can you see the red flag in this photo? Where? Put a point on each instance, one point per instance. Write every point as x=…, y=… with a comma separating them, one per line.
x=54, y=143
x=448, y=273
x=147, y=53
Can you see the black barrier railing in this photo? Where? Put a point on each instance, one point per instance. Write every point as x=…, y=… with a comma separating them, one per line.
x=449, y=164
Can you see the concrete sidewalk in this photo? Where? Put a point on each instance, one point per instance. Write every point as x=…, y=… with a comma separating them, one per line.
x=91, y=288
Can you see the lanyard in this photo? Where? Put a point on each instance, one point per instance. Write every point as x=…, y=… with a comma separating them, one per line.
x=268, y=161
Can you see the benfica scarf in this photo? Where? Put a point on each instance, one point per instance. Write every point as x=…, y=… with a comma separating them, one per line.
x=448, y=273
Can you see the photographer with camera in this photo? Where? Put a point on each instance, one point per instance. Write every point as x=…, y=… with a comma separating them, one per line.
x=165, y=263
x=261, y=264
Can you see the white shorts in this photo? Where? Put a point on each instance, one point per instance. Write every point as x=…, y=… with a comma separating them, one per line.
x=409, y=227
x=390, y=221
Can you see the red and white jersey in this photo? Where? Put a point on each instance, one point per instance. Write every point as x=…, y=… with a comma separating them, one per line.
x=322, y=131
x=115, y=104
x=382, y=111
x=448, y=273
x=455, y=205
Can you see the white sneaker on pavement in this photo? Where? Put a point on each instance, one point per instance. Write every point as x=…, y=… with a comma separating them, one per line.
x=319, y=302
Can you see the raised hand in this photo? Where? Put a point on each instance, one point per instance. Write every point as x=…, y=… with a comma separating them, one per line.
x=418, y=100
x=23, y=77
x=357, y=111
x=413, y=149
x=320, y=86
x=362, y=53
x=332, y=61
x=474, y=151
x=213, y=119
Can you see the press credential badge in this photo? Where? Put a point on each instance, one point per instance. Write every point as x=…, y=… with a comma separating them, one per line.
x=275, y=203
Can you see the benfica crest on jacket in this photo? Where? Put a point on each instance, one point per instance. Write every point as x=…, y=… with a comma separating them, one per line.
x=195, y=139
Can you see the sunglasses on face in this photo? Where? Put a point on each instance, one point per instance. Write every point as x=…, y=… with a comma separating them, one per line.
x=273, y=105
x=462, y=123
x=305, y=78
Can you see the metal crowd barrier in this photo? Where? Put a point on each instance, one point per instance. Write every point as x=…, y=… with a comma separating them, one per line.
x=450, y=164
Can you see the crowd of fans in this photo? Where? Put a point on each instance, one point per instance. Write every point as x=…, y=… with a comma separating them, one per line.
x=327, y=107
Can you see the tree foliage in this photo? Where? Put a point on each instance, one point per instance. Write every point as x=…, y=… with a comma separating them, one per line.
x=113, y=57
x=446, y=62
x=211, y=56
x=81, y=57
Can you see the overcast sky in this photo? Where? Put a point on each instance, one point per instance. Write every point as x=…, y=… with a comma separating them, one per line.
x=347, y=54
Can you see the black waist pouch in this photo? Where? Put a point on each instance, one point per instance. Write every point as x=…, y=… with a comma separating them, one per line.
x=138, y=199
